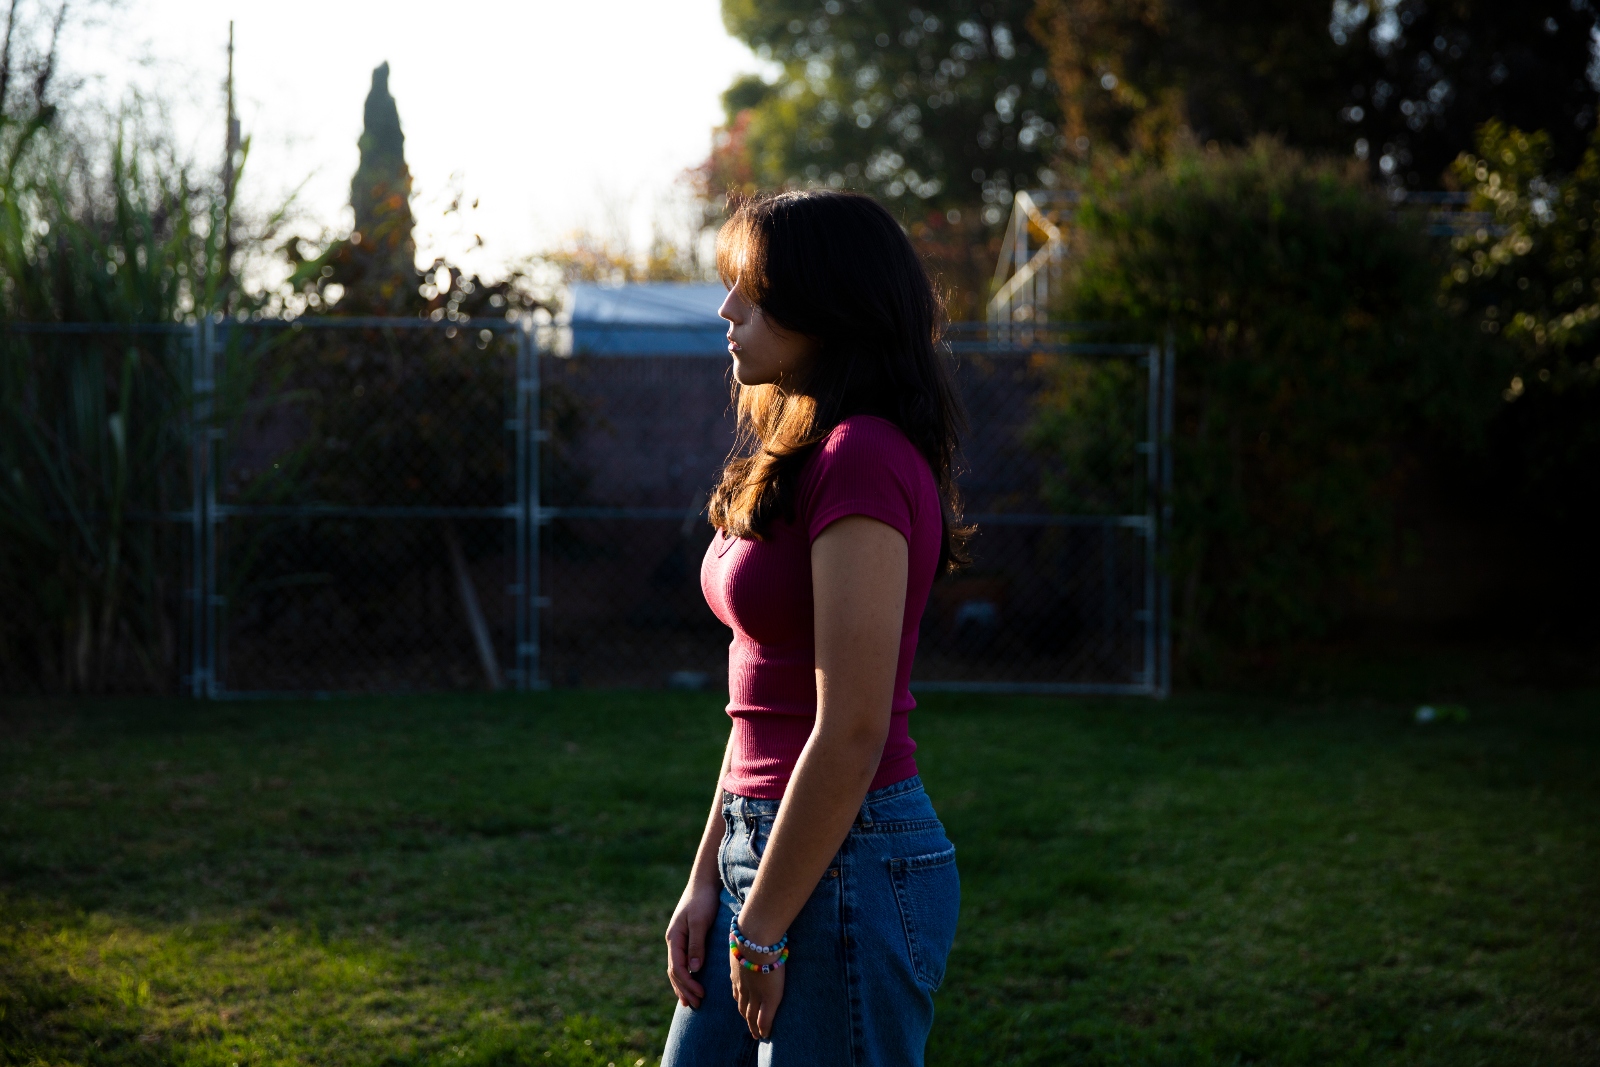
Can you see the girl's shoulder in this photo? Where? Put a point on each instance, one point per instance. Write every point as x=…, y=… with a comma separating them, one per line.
x=866, y=453
x=868, y=438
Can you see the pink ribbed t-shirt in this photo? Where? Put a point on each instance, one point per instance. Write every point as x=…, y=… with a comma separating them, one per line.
x=762, y=590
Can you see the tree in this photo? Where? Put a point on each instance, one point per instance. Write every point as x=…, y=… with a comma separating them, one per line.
x=925, y=106
x=1402, y=85
x=940, y=109
x=1429, y=73
x=1530, y=279
x=380, y=193
x=374, y=270
x=1135, y=75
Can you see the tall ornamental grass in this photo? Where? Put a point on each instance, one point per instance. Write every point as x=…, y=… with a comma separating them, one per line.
x=95, y=427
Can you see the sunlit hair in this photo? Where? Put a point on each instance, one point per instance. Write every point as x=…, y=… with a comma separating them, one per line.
x=837, y=269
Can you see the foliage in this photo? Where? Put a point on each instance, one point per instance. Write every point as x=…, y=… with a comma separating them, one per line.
x=1089, y=421
x=588, y=257
x=1402, y=85
x=1307, y=353
x=476, y=881
x=1428, y=74
x=935, y=105
x=1140, y=75
x=94, y=448
x=939, y=109
x=383, y=250
x=373, y=270
x=94, y=427
x=1530, y=277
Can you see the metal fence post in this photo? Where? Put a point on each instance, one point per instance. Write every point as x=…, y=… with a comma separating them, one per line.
x=530, y=514
x=197, y=400
x=213, y=521
x=519, y=518
x=1169, y=390
x=1152, y=452
x=202, y=506
x=213, y=597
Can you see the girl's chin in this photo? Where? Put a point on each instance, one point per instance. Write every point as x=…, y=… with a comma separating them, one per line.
x=745, y=374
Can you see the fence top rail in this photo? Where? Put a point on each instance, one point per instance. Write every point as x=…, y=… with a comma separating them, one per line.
x=988, y=326
x=169, y=328
x=374, y=322
x=352, y=322
x=1022, y=348
x=954, y=333
x=637, y=327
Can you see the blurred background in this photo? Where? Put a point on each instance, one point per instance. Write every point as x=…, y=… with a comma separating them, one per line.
x=1277, y=328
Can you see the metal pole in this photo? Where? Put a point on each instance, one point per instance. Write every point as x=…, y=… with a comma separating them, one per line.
x=519, y=521
x=1152, y=479
x=1169, y=390
x=528, y=388
x=199, y=400
x=213, y=599
x=1108, y=592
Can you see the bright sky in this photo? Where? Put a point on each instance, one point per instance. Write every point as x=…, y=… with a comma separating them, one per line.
x=553, y=115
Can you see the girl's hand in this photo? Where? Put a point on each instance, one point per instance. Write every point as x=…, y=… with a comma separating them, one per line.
x=686, y=940
x=757, y=994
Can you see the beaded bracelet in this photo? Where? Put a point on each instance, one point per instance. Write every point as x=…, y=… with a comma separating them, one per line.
x=751, y=965
x=737, y=938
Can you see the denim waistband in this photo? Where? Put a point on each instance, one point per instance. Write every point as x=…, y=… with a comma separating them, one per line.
x=758, y=806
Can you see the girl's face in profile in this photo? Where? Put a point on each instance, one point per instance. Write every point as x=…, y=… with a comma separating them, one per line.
x=762, y=351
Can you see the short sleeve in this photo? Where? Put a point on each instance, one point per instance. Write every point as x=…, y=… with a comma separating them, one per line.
x=866, y=466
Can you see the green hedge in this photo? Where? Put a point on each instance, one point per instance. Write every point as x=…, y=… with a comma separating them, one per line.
x=1311, y=351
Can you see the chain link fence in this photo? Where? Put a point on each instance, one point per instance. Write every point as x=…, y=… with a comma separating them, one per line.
x=381, y=505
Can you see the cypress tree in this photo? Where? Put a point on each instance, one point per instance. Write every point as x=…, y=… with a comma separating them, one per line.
x=382, y=273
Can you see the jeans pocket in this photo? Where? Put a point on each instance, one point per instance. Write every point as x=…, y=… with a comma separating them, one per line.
x=760, y=828
x=927, y=890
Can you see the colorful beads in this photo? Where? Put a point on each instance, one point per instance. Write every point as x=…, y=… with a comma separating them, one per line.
x=737, y=938
x=751, y=965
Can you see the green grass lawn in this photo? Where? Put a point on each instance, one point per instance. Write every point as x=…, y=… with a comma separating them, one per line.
x=483, y=880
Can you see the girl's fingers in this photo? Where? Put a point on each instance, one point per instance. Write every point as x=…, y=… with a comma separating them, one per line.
x=769, y=1006
x=695, y=946
x=689, y=991
x=747, y=1008
x=682, y=993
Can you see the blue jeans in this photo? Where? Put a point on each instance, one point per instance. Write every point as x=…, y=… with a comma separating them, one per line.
x=866, y=952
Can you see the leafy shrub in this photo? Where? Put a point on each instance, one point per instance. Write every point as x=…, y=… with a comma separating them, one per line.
x=1089, y=422
x=1530, y=278
x=1310, y=349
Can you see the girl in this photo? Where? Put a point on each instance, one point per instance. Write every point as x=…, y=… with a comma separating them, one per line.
x=815, y=924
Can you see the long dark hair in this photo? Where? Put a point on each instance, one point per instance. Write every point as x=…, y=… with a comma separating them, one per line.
x=837, y=269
